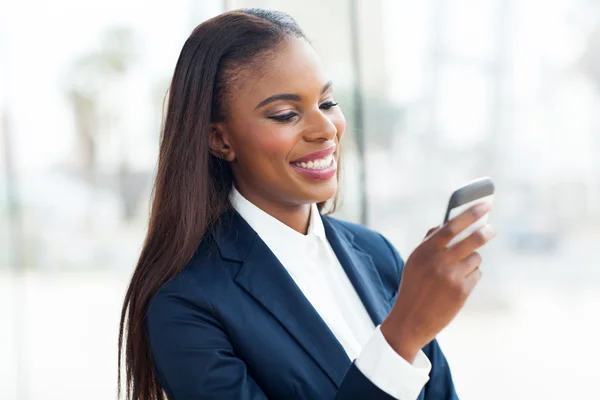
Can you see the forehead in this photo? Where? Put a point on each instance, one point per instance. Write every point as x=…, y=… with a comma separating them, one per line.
x=294, y=67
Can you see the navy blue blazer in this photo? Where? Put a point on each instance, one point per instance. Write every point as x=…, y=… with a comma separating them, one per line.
x=234, y=325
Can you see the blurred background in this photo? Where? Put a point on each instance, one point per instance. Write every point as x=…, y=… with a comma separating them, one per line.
x=436, y=92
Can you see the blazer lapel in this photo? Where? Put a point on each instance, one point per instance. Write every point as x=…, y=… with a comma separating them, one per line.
x=267, y=281
x=360, y=270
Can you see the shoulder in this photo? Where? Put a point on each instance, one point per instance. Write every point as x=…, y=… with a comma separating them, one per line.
x=200, y=281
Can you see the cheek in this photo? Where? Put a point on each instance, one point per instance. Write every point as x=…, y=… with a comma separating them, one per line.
x=273, y=142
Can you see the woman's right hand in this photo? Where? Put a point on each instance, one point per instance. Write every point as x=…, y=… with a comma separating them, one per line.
x=435, y=284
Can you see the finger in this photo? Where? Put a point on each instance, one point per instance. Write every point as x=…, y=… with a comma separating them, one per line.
x=471, y=243
x=468, y=265
x=455, y=226
x=430, y=232
x=469, y=282
x=472, y=279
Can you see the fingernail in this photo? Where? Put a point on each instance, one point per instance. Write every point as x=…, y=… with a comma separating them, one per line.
x=488, y=232
x=483, y=208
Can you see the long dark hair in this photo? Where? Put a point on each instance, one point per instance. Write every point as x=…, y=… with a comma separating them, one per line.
x=192, y=186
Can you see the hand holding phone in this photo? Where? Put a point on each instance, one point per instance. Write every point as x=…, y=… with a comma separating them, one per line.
x=441, y=272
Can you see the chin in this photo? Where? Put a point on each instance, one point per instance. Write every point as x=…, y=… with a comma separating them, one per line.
x=321, y=192
x=314, y=186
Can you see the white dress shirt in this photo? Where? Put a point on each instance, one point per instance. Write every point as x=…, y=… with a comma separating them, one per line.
x=314, y=267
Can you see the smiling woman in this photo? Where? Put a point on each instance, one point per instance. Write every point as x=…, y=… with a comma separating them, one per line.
x=243, y=290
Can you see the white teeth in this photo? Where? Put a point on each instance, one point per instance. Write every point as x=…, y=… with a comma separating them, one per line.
x=317, y=164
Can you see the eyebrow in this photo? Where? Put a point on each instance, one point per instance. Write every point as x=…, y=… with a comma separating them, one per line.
x=288, y=96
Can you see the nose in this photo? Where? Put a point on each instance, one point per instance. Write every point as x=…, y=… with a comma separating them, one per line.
x=320, y=127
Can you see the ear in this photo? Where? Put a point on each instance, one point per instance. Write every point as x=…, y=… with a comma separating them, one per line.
x=218, y=142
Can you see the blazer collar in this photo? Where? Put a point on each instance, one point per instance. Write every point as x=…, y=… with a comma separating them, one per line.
x=267, y=281
x=287, y=244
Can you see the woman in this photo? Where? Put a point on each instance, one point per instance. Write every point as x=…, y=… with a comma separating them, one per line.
x=243, y=290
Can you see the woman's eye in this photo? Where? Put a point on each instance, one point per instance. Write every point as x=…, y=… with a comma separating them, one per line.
x=287, y=117
x=328, y=105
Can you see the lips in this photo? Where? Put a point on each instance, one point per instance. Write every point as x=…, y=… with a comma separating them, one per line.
x=320, y=165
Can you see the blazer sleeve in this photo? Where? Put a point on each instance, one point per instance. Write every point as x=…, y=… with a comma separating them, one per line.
x=440, y=385
x=194, y=358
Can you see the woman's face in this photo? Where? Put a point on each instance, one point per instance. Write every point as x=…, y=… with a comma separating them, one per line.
x=283, y=129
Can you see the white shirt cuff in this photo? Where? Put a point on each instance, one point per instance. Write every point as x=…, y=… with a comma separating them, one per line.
x=391, y=373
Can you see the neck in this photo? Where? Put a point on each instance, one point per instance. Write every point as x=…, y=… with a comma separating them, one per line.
x=296, y=217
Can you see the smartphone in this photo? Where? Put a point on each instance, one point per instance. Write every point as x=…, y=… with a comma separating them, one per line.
x=478, y=191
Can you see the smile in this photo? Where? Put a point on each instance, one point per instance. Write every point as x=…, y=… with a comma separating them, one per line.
x=320, y=165
x=317, y=164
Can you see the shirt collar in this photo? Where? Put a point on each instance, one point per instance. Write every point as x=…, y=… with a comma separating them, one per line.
x=278, y=236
